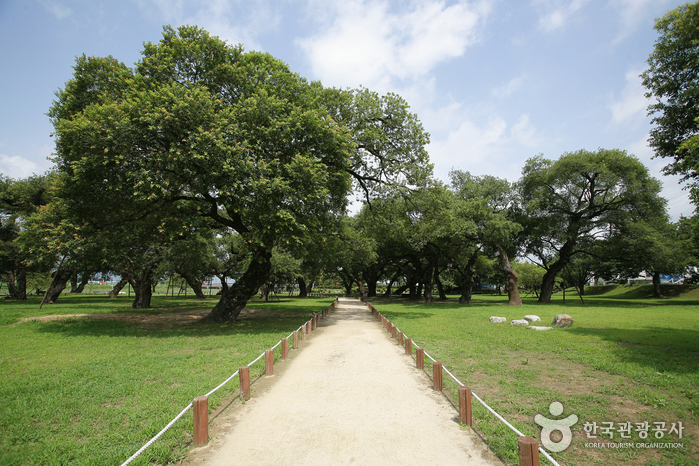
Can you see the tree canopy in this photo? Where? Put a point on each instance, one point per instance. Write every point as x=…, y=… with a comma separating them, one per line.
x=672, y=79
x=200, y=128
x=578, y=198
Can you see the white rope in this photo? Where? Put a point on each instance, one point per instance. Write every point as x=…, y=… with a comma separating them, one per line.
x=150, y=442
x=543, y=452
x=258, y=358
x=223, y=383
x=167, y=427
x=452, y=376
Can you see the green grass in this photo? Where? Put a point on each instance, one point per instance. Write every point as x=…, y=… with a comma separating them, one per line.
x=622, y=360
x=92, y=392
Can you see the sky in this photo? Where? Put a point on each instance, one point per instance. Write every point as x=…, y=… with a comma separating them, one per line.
x=494, y=82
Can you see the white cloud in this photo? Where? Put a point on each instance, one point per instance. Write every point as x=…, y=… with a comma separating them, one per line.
x=17, y=167
x=235, y=21
x=56, y=8
x=555, y=14
x=510, y=87
x=494, y=147
x=524, y=133
x=631, y=107
x=631, y=15
x=366, y=43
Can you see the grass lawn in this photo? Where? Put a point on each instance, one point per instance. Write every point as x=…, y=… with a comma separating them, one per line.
x=92, y=392
x=626, y=358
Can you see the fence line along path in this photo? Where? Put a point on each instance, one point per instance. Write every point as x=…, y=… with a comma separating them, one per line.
x=350, y=396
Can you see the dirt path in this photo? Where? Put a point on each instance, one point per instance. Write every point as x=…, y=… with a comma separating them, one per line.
x=350, y=396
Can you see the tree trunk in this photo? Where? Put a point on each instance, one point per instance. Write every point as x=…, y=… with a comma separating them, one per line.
x=117, y=288
x=510, y=278
x=222, y=279
x=194, y=284
x=234, y=298
x=58, y=284
x=302, y=287
x=371, y=277
x=360, y=285
x=656, y=285
x=143, y=291
x=467, y=280
x=549, y=281
x=429, y=282
x=401, y=289
x=440, y=287
x=83, y=282
x=387, y=294
x=264, y=291
x=371, y=288
x=17, y=283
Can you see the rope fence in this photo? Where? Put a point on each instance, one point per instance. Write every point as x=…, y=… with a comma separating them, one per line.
x=528, y=447
x=200, y=403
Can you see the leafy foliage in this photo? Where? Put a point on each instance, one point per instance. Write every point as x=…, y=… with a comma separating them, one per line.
x=672, y=78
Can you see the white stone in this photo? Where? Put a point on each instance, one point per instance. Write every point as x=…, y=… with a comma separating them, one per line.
x=534, y=327
x=497, y=320
x=519, y=322
x=532, y=318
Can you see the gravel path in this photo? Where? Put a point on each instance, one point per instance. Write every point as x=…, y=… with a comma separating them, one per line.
x=350, y=396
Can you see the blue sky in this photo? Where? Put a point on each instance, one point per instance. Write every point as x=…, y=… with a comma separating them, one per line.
x=494, y=82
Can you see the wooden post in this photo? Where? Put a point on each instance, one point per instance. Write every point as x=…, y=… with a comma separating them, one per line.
x=400, y=338
x=285, y=348
x=408, y=346
x=296, y=339
x=303, y=332
x=437, y=375
x=420, y=358
x=269, y=362
x=528, y=451
x=244, y=374
x=393, y=331
x=465, y=406
x=200, y=412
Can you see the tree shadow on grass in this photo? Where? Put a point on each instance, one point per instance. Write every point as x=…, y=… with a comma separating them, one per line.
x=282, y=324
x=664, y=349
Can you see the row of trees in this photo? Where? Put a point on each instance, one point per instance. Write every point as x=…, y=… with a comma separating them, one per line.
x=220, y=162
x=587, y=214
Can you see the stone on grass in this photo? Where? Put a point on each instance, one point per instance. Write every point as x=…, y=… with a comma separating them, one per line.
x=519, y=322
x=497, y=320
x=534, y=327
x=562, y=320
x=532, y=318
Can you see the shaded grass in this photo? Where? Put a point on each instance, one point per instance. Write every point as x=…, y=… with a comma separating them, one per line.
x=92, y=392
x=622, y=360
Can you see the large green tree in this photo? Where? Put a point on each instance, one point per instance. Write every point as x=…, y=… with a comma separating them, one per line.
x=672, y=80
x=202, y=128
x=569, y=203
x=482, y=209
x=19, y=200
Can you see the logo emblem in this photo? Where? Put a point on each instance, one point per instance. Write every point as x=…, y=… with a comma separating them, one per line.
x=548, y=426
